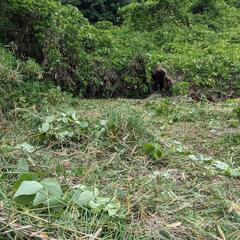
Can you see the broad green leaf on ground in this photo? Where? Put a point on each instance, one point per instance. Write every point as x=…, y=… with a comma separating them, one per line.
x=234, y=172
x=65, y=134
x=22, y=166
x=26, y=147
x=83, y=125
x=113, y=207
x=109, y=205
x=28, y=188
x=83, y=198
x=221, y=165
x=27, y=191
x=103, y=123
x=73, y=114
x=50, y=195
x=45, y=127
x=158, y=154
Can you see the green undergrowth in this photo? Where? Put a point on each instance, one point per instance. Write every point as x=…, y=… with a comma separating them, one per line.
x=159, y=168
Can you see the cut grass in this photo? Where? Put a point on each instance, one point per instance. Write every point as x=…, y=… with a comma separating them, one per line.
x=172, y=197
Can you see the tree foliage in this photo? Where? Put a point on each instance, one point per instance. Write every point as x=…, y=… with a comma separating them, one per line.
x=99, y=10
x=102, y=60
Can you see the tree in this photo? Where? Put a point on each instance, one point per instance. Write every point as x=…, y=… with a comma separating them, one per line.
x=99, y=10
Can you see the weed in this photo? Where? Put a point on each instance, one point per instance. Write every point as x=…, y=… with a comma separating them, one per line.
x=101, y=183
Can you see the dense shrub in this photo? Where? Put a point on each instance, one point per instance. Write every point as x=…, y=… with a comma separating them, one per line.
x=195, y=40
x=196, y=46
x=150, y=15
x=88, y=61
x=18, y=80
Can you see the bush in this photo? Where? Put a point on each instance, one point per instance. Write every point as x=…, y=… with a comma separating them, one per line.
x=181, y=88
x=14, y=78
x=110, y=61
x=80, y=58
x=150, y=15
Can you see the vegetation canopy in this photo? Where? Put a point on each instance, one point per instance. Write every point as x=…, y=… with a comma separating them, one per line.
x=196, y=41
x=120, y=119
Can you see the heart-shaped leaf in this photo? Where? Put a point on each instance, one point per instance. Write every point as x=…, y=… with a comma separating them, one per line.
x=26, y=191
x=28, y=188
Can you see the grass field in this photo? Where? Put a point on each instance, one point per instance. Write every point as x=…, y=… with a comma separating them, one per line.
x=158, y=168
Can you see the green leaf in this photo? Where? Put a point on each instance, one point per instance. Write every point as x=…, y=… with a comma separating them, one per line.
x=113, y=207
x=112, y=212
x=6, y=149
x=158, y=154
x=221, y=165
x=64, y=134
x=27, y=191
x=234, y=172
x=22, y=166
x=103, y=200
x=82, y=199
x=154, y=150
x=45, y=127
x=103, y=123
x=83, y=125
x=40, y=198
x=73, y=115
x=94, y=205
x=26, y=147
x=28, y=188
x=148, y=147
x=52, y=186
x=44, y=198
x=50, y=194
x=100, y=132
